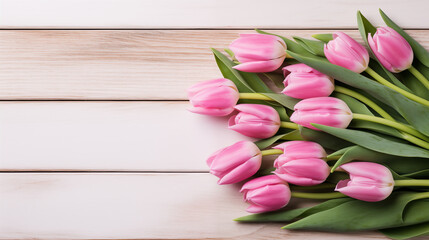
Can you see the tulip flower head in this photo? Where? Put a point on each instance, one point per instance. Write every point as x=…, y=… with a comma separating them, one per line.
x=391, y=49
x=305, y=82
x=327, y=111
x=368, y=181
x=255, y=120
x=302, y=163
x=235, y=163
x=258, y=52
x=215, y=97
x=265, y=194
x=344, y=51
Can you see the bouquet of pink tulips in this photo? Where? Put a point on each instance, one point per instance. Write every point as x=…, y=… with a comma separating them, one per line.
x=349, y=126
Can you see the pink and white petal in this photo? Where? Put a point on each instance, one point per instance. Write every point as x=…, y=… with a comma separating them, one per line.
x=260, y=66
x=218, y=112
x=242, y=172
x=262, y=181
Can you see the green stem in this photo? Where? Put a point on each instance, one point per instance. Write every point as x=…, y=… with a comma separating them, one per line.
x=419, y=76
x=271, y=152
x=390, y=123
x=422, y=195
x=382, y=113
x=415, y=140
x=386, y=83
x=412, y=182
x=254, y=96
x=293, y=136
x=333, y=158
x=330, y=195
x=365, y=100
x=289, y=125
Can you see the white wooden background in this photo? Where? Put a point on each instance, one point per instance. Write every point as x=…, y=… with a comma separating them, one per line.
x=121, y=158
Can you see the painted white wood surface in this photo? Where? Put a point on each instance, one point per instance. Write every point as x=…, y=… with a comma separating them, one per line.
x=116, y=65
x=108, y=136
x=207, y=14
x=131, y=206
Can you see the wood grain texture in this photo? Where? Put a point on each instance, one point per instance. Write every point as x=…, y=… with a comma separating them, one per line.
x=108, y=136
x=207, y=14
x=131, y=206
x=115, y=65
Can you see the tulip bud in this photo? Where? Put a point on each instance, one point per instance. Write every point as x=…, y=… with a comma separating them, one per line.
x=344, y=51
x=305, y=82
x=236, y=162
x=265, y=194
x=368, y=181
x=391, y=49
x=302, y=163
x=255, y=120
x=327, y=111
x=215, y=97
x=258, y=52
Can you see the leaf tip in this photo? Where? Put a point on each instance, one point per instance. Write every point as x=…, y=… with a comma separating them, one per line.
x=286, y=227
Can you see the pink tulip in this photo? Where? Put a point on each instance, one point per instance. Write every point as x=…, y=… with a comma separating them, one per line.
x=255, y=120
x=391, y=49
x=344, y=51
x=368, y=181
x=215, y=97
x=258, y=52
x=302, y=163
x=265, y=194
x=236, y=162
x=327, y=111
x=305, y=82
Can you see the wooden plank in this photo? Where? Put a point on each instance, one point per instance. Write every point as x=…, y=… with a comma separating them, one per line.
x=207, y=14
x=131, y=206
x=138, y=65
x=108, y=136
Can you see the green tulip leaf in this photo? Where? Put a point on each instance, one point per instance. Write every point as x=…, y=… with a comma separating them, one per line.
x=359, y=153
x=324, y=37
x=422, y=174
x=264, y=143
x=324, y=139
x=225, y=66
x=400, y=209
x=315, y=47
x=376, y=127
x=375, y=142
x=411, y=81
x=341, y=151
x=283, y=99
x=407, y=232
x=419, y=51
x=415, y=113
x=377, y=67
x=292, y=136
x=250, y=81
x=276, y=78
x=365, y=28
x=354, y=105
x=289, y=215
x=282, y=113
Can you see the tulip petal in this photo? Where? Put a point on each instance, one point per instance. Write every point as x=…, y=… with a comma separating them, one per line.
x=272, y=196
x=366, y=193
x=234, y=156
x=260, y=66
x=242, y=172
x=372, y=171
x=262, y=181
